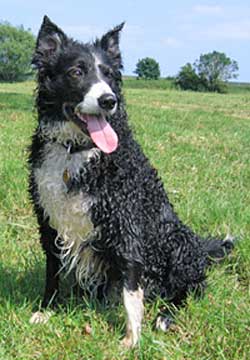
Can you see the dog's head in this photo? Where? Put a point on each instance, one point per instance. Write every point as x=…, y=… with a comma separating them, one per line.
x=80, y=82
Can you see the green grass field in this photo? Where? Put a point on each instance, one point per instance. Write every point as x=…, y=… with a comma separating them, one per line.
x=200, y=144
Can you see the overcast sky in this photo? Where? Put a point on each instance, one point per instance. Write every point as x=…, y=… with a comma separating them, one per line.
x=173, y=32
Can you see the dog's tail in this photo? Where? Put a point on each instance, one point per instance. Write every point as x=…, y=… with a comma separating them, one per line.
x=218, y=249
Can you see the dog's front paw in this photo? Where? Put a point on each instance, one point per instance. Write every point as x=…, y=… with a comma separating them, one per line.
x=130, y=340
x=127, y=342
x=40, y=317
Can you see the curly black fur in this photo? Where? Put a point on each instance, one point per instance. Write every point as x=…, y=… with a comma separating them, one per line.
x=142, y=239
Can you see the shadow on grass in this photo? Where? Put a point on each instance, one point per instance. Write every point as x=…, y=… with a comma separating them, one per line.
x=21, y=286
x=24, y=287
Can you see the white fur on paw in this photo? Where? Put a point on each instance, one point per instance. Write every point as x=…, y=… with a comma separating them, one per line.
x=229, y=238
x=40, y=317
x=127, y=342
x=163, y=323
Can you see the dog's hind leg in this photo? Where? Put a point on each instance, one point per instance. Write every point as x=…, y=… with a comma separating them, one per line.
x=218, y=249
x=163, y=323
x=133, y=302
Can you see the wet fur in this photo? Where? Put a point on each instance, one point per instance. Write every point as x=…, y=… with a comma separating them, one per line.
x=112, y=222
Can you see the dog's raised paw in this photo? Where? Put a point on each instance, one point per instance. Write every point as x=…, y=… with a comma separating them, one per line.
x=40, y=317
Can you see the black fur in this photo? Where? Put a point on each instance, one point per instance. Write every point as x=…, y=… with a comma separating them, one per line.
x=142, y=239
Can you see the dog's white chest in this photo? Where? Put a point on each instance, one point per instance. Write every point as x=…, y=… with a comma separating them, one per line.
x=68, y=213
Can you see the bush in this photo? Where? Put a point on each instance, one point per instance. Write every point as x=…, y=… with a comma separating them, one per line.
x=187, y=79
x=16, y=48
x=147, y=68
x=209, y=73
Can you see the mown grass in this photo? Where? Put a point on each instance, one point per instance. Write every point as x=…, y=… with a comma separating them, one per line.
x=200, y=144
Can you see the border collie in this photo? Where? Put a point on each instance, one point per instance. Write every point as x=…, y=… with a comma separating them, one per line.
x=101, y=207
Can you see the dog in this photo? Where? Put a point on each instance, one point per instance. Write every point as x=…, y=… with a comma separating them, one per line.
x=102, y=210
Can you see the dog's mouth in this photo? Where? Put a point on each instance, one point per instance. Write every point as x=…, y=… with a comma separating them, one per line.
x=96, y=126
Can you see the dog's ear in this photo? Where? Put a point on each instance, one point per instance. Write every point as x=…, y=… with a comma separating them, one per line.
x=50, y=40
x=110, y=44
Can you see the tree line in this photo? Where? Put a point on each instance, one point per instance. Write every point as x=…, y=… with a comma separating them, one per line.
x=210, y=72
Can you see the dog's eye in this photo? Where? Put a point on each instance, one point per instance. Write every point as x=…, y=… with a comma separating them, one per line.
x=75, y=73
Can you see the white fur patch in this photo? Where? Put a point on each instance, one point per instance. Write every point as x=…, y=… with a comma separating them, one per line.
x=40, y=317
x=90, y=105
x=162, y=323
x=69, y=213
x=97, y=63
x=62, y=131
x=133, y=301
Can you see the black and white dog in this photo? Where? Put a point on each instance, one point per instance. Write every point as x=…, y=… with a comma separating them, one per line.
x=101, y=208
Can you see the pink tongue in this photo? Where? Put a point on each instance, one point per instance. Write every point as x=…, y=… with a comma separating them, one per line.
x=101, y=133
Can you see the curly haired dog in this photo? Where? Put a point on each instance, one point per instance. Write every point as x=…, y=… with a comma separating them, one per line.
x=101, y=207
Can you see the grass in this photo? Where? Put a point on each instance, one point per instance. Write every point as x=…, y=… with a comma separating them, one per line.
x=131, y=82
x=237, y=87
x=200, y=143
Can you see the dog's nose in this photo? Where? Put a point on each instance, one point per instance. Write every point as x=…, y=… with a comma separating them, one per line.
x=107, y=101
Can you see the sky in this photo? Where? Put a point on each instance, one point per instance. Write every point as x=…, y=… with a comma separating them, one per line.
x=172, y=32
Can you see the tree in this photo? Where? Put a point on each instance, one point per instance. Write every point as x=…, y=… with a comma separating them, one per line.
x=16, y=48
x=147, y=68
x=214, y=69
x=209, y=73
